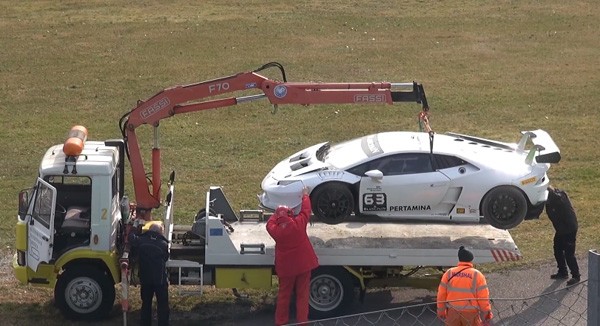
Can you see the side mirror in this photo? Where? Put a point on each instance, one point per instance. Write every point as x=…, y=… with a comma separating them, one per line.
x=172, y=177
x=124, y=207
x=24, y=203
x=374, y=174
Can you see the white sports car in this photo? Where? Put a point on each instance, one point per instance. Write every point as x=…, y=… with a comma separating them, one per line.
x=418, y=175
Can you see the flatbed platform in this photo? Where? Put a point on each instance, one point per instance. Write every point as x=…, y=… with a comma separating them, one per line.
x=245, y=242
x=379, y=244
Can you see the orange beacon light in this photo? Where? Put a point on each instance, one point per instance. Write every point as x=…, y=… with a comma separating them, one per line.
x=75, y=140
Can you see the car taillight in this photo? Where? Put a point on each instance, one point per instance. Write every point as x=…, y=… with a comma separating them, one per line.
x=21, y=258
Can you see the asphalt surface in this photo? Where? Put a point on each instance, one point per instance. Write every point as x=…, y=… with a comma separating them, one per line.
x=506, y=287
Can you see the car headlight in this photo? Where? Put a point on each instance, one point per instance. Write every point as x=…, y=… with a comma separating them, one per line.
x=286, y=182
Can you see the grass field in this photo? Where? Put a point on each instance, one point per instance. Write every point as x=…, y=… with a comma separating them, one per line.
x=490, y=68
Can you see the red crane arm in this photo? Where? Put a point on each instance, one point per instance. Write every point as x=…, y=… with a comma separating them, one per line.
x=201, y=96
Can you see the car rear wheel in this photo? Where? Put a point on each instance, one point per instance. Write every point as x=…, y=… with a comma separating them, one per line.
x=504, y=207
x=332, y=203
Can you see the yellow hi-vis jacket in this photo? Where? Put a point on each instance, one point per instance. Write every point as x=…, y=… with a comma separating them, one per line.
x=465, y=283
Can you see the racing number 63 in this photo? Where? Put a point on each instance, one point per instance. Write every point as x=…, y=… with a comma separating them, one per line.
x=377, y=199
x=374, y=201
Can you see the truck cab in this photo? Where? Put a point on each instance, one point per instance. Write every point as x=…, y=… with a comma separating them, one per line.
x=69, y=224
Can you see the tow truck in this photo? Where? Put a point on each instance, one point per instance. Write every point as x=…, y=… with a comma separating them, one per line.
x=72, y=225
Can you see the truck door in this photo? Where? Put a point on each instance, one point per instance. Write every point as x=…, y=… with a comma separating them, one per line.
x=41, y=225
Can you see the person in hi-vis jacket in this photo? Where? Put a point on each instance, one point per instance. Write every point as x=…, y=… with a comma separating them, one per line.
x=463, y=295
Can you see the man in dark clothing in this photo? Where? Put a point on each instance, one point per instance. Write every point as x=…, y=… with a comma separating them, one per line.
x=563, y=218
x=151, y=250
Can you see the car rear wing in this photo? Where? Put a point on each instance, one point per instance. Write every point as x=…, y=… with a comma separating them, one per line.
x=543, y=145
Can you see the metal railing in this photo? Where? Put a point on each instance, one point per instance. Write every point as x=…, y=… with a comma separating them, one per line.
x=574, y=305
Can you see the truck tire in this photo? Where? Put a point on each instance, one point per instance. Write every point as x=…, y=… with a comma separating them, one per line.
x=331, y=292
x=85, y=293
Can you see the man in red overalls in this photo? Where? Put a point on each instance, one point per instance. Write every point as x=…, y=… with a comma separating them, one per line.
x=295, y=258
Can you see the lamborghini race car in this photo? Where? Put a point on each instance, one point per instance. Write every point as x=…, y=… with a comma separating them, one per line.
x=418, y=176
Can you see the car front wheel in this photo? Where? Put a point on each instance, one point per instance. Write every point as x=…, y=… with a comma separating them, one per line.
x=504, y=207
x=332, y=203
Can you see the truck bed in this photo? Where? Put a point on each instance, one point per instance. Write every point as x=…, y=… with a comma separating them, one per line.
x=365, y=244
x=360, y=242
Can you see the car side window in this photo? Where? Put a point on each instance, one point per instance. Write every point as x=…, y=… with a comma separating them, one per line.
x=361, y=169
x=398, y=164
x=418, y=163
x=447, y=161
x=394, y=165
x=408, y=163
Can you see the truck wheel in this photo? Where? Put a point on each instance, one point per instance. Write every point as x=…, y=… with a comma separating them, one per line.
x=331, y=292
x=85, y=293
x=332, y=203
x=504, y=207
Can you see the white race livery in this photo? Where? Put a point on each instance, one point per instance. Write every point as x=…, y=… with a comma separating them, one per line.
x=419, y=175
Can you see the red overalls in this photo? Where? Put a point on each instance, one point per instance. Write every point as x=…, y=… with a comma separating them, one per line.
x=295, y=258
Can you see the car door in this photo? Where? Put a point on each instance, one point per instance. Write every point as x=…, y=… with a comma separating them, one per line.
x=41, y=225
x=407, y=186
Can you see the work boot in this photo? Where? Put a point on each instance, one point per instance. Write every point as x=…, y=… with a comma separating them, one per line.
x=573, y=280
x=559, y=276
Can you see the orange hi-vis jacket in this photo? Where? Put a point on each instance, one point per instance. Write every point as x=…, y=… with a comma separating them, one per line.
x=466, y=291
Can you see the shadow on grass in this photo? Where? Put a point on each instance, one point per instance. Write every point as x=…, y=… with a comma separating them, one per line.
x=184, y=311
x=46, y=314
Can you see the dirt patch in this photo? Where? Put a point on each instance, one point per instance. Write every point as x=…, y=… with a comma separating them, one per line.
x=6, y=273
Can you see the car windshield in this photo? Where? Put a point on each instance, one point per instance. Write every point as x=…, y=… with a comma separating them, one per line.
x=351, y=152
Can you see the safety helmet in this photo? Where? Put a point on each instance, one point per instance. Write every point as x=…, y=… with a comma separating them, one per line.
x=283, y=211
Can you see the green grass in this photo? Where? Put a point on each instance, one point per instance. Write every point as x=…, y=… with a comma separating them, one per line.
x=490, y=68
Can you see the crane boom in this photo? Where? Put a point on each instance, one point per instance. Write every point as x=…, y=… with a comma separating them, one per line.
x=202, y=96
